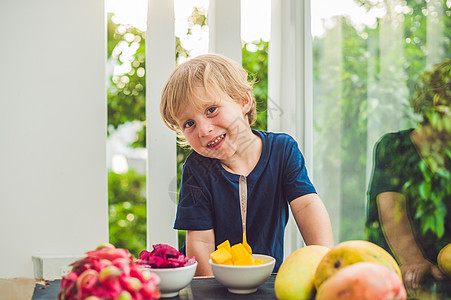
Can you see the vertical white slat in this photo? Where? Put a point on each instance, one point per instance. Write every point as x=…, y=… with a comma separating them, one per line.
x=305, y=71
x=161, y=142
x=328, y=177
x=434, y=33
x=224, y=21
x=274, y=67
x=289, y=85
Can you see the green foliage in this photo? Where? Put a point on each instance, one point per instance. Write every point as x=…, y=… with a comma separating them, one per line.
x=432, y=98
x=127, y=211
x=429, y=194
x=255, y=62
x=126, y=92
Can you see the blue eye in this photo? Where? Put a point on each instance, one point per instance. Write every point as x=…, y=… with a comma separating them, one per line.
x=188, y=124
x=211, y=110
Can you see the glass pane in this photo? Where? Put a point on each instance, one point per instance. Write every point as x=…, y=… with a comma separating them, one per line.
x=367, y=58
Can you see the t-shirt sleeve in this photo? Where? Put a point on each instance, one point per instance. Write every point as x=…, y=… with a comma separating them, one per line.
x=384, y=177
x=194, y=211
x=295, y=180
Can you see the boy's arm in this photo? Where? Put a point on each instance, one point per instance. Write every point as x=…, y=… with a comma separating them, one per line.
x=398, y=233
x=313, y=220
x=201, y=243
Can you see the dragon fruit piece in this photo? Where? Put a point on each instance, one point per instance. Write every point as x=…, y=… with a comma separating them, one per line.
x=155, y=261
x=165, y=250
x=113, y=287
x=150, y=291
x=105, y=246
x=134, y=272
x=190, y=261
x=175, y=262
x=79, y=265
x=98, y=264
x=164, y=256
x=103, y=263
x=109, y=254
x=109, y=273
x=144, y=254
x=149, y=277
x=131, y=284
x=87, y=280
x=69, y=279
x=161, y=253
x=123, y=264
x=125, y=295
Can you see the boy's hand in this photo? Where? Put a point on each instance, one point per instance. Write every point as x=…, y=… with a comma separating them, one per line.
x=201, y=243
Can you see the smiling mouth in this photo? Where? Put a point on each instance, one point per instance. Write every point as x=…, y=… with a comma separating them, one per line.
x=216, y=141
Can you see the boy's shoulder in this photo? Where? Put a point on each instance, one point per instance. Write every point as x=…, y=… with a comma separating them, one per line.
x=276, y=138
x=395, y=139
x=195, y=160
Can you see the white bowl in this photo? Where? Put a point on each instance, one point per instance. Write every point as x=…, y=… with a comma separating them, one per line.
x=244, y=279
x=172, y=280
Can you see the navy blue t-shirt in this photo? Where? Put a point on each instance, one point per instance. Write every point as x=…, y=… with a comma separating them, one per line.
x=209, y=197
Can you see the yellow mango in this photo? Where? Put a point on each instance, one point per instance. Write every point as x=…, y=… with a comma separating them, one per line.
x=238, y=251
x=246, y=260
x=258, y=262
x=295, y=279
x=225, y=245
x=350, y=252
x=221, y=256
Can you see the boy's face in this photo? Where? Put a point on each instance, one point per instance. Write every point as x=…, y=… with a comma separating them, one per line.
x=219, y=130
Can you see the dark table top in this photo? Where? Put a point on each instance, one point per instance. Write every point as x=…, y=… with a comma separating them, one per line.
x=210, y=288
x=199, y=288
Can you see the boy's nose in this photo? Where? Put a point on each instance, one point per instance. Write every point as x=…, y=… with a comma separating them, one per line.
x=205, y=128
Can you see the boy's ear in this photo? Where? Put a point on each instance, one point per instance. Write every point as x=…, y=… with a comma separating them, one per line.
x=247, y=104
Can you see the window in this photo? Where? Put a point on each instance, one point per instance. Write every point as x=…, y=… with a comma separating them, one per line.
x=366, y=59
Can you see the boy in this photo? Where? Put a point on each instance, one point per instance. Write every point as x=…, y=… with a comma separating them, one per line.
x=208, y=102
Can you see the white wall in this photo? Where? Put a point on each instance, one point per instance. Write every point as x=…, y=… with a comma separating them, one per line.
x=53, y=180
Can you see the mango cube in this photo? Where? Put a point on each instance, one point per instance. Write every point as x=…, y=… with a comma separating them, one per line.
x=233, y=255
x=246, y=260
x=228, y=262
x=225, y=245
x=238, y=251
x=221, y=256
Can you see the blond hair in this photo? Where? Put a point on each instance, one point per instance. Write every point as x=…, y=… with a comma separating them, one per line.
x=213, y=72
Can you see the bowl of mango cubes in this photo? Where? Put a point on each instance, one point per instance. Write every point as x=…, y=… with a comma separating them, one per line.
x=240, y=271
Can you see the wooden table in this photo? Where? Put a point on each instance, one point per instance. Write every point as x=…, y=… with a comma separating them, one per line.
x=199, y=288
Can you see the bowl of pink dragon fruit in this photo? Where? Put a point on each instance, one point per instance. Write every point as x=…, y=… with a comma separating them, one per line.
x=174, y=269
x=108, y=273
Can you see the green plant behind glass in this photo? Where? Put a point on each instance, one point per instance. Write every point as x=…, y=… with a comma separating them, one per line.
x=432, y=99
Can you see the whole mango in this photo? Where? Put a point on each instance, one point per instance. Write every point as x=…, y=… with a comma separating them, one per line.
x=444, y=260
x=351, y=252
x=363, y=281
x=295, y=277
